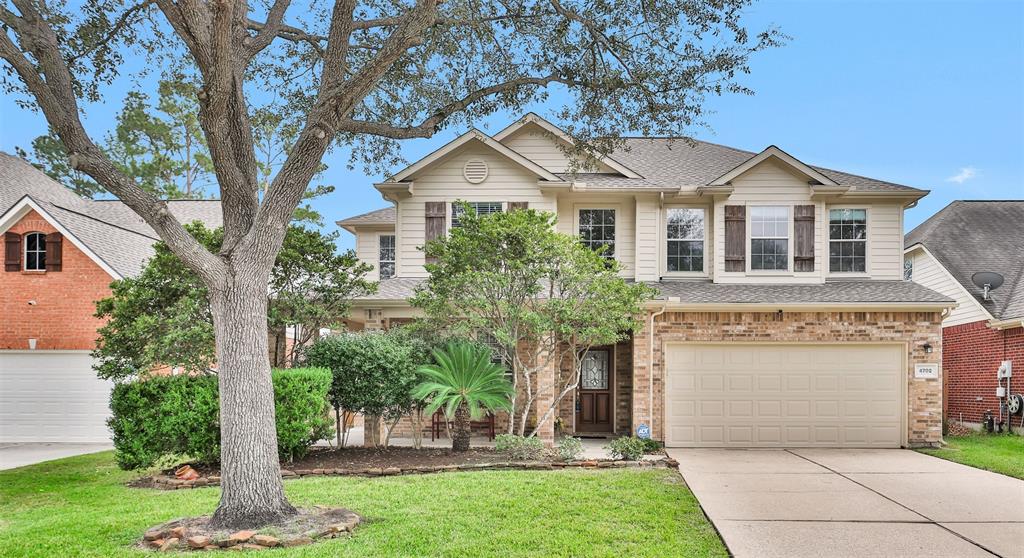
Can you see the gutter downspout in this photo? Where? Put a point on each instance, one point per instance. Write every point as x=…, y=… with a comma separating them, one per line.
x=650, y=365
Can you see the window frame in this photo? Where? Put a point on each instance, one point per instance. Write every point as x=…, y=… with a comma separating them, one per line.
x=450, y=218
x=867, y=240
x=577, y=222
x=394, y=255
x=788, y=271
x=38, y=251
x=664, y=240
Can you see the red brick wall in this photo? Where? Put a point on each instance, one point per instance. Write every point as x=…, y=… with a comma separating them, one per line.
x=970, y=357
x=62, y=317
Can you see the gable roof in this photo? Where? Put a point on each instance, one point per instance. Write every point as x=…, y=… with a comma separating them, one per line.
x=971, y=236
x=107, y=230
x=483, y=138
x=772, y=152
x=385, y=216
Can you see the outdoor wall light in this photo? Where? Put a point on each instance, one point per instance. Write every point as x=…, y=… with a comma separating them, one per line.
x=927, y=348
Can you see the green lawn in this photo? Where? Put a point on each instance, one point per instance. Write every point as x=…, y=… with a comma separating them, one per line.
x=79, y=507
x=1000, y=453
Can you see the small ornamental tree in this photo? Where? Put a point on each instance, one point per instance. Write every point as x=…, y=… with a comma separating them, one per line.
x=544, y=297
x=163, y=317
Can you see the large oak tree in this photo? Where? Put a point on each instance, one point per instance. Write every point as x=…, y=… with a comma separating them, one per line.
x=361, y=74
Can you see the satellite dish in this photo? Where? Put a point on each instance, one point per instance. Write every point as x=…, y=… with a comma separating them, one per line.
x=987, y=281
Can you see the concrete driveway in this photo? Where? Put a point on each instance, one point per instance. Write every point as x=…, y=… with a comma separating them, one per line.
x=20, y=454
x=857, y=503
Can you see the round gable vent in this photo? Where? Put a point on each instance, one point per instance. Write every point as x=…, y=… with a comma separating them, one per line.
x=475, y=171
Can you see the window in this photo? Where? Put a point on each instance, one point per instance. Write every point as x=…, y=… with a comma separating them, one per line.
x=908, y=269
x=386, y=256
x=847, y=240
x=35, y=252
x=685, y=236
x=597, y=229
x=497, y=353
x=481, y=208
x=769, y=238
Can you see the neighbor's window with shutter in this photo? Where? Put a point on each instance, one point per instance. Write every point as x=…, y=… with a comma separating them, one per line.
x=597, y=229
x=769, y=238
x=481, y=208
x=386, y=255
x=685, y=238
x=35, y=252
x=847, y=240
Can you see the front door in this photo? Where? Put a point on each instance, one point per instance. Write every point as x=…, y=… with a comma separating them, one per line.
x=594, y=397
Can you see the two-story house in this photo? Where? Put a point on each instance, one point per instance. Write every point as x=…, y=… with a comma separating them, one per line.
x=61, y=252
x=782, y=317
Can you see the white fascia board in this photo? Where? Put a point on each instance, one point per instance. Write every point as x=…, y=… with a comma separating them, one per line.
x=534, y=118
x=769, y=152
x=25, y=204
x=469, y=136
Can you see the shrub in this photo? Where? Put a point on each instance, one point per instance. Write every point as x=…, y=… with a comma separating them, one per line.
x=569, y=449
x=519, y=447
x=629, y=448
x=651, y=446
x=168, y=416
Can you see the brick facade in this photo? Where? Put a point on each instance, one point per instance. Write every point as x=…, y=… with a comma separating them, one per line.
x=65, y=301
x=924, y=406
x=971, y=355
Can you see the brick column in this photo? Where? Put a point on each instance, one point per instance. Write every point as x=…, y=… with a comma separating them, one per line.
x=371, y=423
x=547, y=379
x=642, y=378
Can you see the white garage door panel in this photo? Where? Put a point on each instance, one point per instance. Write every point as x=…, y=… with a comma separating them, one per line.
x=52, y=397
x=783, y=395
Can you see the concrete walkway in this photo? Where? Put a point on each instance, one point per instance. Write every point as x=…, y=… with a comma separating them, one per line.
x=29, y=453
x=855, y=503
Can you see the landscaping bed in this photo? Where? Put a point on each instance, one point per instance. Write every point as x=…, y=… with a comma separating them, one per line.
x=370, y=462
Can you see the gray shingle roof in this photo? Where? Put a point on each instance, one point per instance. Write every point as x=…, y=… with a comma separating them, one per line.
x=107, y=227
x=383, y=216
x=837, y=292
x=971, y=236
x=396, y=288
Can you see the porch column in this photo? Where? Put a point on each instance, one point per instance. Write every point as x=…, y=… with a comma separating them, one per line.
x=371, y=423
x=547, y=380
x=642, y=378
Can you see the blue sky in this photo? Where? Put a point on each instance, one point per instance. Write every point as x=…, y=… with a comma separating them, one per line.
x=927, y=94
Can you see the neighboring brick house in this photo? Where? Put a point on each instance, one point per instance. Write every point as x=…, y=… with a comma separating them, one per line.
x=782, y=317
x=61, y=253
x=943, y=254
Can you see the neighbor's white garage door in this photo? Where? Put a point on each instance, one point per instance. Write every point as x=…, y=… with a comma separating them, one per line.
x=52, y=397
x=756, y=395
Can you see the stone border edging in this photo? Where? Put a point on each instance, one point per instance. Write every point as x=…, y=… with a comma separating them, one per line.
x=167, y=482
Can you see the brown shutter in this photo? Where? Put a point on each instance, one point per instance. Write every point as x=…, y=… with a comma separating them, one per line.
x=54, y=251
x=735, y=238
x=12, y=252
x=803, y=229
x=434, y=223
x=512, y=206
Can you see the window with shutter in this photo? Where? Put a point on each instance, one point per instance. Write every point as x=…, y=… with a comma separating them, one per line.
x=481, y=208
x=35, y=251
x=434, y=223
x=735, y=238
x=769, y=238
x=803, y=231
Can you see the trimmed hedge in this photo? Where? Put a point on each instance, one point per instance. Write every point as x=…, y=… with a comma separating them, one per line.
x=167, y=416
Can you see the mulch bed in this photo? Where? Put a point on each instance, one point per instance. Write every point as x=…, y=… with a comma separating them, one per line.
x=370, y=462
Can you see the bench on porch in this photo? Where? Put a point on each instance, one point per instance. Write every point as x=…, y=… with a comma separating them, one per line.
x=437, y=425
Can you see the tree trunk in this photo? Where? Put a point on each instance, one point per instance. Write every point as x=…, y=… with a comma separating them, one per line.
x=460, y=437
x=251, y=491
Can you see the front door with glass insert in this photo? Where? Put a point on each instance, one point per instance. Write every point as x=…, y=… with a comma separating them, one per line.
x=594, y=396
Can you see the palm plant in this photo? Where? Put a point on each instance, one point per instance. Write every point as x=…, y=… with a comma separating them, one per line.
x=465, y=382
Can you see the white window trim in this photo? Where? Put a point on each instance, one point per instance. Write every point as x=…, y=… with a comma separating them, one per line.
x=867, y=244
x=449, y=205
x=394, y=261
x=24, y=251
x=663, y=242
x=576, y=208
x=788, y=272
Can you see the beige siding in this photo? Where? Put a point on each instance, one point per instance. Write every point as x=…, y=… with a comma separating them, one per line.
x=506, y=181
x=569, y=206
x=930, y=273
x=532, y=142
x=647, y=237
x=368, y=247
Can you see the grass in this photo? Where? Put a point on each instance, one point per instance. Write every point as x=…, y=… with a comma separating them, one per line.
x=80, y=507
x=1000, y=453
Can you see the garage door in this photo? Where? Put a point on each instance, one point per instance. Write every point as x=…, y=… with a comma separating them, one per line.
x=751, y=395
x=52, y=397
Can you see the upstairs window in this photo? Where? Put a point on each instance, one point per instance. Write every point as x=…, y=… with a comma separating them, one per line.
x=908, y=269
x=847, y=240
x=685, y=237
x=481, y=208
x=769, y=238
x=35, y=252
x=386, y=256
x=597, y=230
